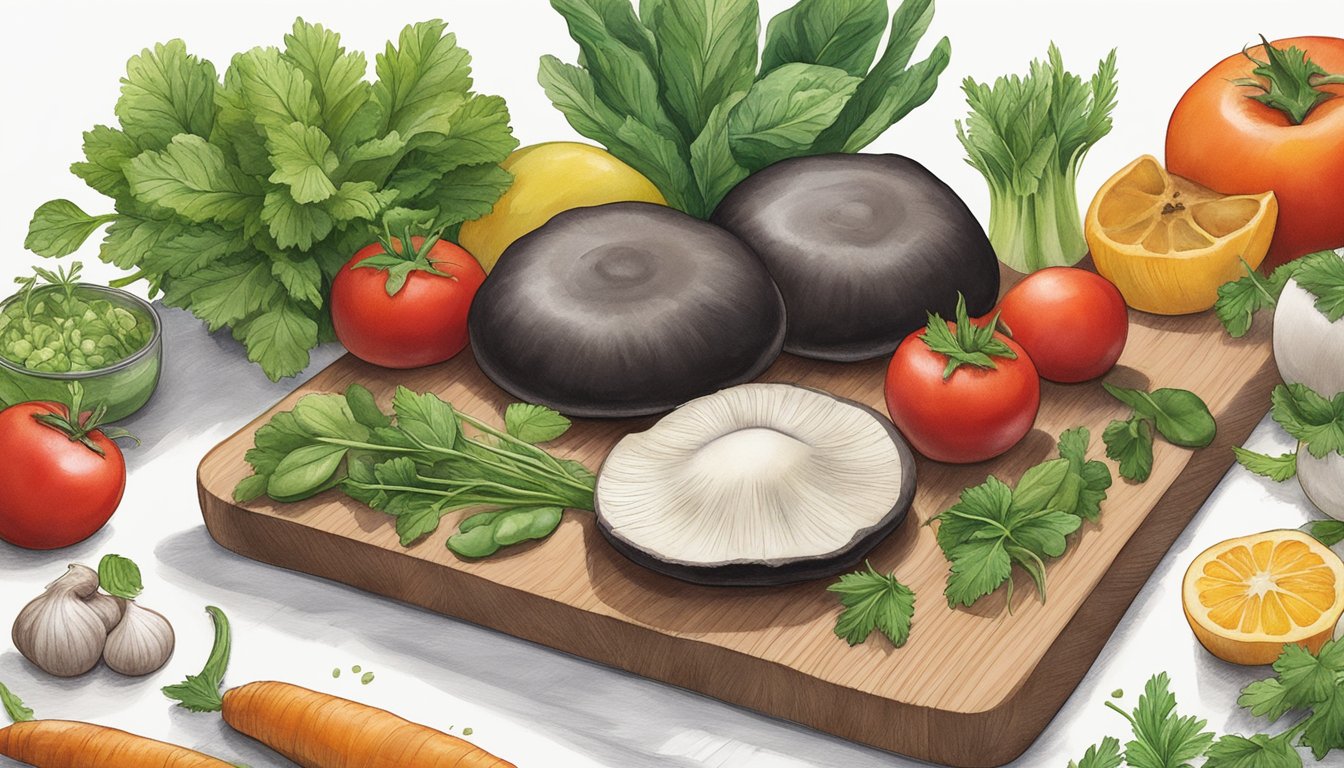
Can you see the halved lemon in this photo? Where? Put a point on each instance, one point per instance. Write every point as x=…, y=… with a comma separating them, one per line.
x=1168, y=243
x=1246, y=598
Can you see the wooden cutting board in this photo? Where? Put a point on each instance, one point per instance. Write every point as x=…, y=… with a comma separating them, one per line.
x=973, y=687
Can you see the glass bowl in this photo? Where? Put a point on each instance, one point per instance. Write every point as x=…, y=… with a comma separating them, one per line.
x=124, y=387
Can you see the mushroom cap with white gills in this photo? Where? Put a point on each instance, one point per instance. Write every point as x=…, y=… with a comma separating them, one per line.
x=758, y=484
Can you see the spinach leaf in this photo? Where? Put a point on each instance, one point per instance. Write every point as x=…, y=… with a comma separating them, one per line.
x=835, y=33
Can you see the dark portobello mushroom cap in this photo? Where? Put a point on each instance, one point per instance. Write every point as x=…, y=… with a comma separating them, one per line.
x=626, y=309
x=861, y=246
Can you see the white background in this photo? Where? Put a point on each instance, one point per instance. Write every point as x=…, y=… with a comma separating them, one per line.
x=61, y=62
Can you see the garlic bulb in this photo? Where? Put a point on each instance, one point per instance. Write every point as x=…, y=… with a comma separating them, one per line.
x=108, y=608
x=141, y=643
x=59, y=631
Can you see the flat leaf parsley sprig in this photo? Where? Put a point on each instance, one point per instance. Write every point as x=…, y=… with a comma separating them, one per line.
x=994, y=527
x=420, y=464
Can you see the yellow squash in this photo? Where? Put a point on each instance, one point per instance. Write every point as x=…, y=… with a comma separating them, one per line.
x=548, y=179
x=1168, y=243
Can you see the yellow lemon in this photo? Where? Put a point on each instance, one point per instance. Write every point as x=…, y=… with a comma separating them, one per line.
x=548, y=179
x=1168, y=243
x=1246, y=598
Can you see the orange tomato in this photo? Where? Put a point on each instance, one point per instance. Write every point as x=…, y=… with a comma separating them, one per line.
x=1233, y=144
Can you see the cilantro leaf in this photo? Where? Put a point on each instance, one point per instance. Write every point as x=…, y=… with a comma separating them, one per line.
x=166, y=92
x=1240, y=300
x=1130, y=442
x=1276, y=468
x=1309, y=417
x=426, y=418
x=195, y=179
x=1162, y=738
x=1258, y=751
x=992, y=527
x=1305, y=681
x=533, y=423
x=1322, y=275
x=278, y=339
x=873, y=601
x=1103, y=755
x=978, y=568
x=1085, y=487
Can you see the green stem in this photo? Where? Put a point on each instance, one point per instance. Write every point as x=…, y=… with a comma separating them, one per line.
x=466, y=502
x=487, y=484
x=201, y=693
x=122, y=282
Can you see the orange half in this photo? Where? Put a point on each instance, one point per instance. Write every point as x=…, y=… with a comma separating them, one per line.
x=1168, y=243
x=1246, y=598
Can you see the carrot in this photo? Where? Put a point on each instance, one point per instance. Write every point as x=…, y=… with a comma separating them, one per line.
x=317, y=730
x=63, y=744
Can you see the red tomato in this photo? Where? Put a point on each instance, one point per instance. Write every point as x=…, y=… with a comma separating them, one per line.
x=424, y=323
x=974, y=415
x=1073, y=323
x=54, y=491
x=1233, y=144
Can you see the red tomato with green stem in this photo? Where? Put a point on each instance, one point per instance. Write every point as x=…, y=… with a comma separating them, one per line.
x=1072, y=323
x=962, y=392
x=1271, y=118
x=405, y=307
x=61, y=478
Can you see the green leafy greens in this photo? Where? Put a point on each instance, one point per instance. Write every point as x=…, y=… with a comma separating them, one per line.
x=1320, y=273
x=420, y=463
x=1307, y=685
x=1162, y=738
x=994, y=527
x=674, y=90
x=1178, y=415
x=239, y=199
x=1028, y=136
x=873, y=601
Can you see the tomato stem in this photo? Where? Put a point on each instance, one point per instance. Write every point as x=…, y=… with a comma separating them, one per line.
x=1289, y=81
x=78, y=426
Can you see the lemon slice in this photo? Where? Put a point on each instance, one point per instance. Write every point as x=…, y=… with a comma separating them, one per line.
x=1168, y=243
x=1246, y=598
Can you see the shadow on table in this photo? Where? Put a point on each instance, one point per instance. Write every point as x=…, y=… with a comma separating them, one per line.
x=617, y=718
x=198, y=367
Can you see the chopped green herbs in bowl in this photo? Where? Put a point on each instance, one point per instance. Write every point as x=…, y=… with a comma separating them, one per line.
x=56, y=330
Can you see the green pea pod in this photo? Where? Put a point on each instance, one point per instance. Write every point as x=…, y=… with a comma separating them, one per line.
x=478, y=542
x=479, y=519
x=526, y=524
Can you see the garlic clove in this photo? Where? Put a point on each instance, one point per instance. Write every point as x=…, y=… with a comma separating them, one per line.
x=108, y=608
x=58, y=631
x=142, y=643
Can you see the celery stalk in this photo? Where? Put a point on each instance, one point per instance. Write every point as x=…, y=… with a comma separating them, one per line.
x=1027, y=136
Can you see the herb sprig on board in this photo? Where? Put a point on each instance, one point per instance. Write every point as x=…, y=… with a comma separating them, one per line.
x=421, y=463
x=1178, y=415
x=994, y=527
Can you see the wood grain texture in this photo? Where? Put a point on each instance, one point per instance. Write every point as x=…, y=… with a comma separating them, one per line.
x=973, y=687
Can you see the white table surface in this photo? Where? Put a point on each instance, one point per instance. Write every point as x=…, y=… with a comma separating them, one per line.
x=538, y=707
